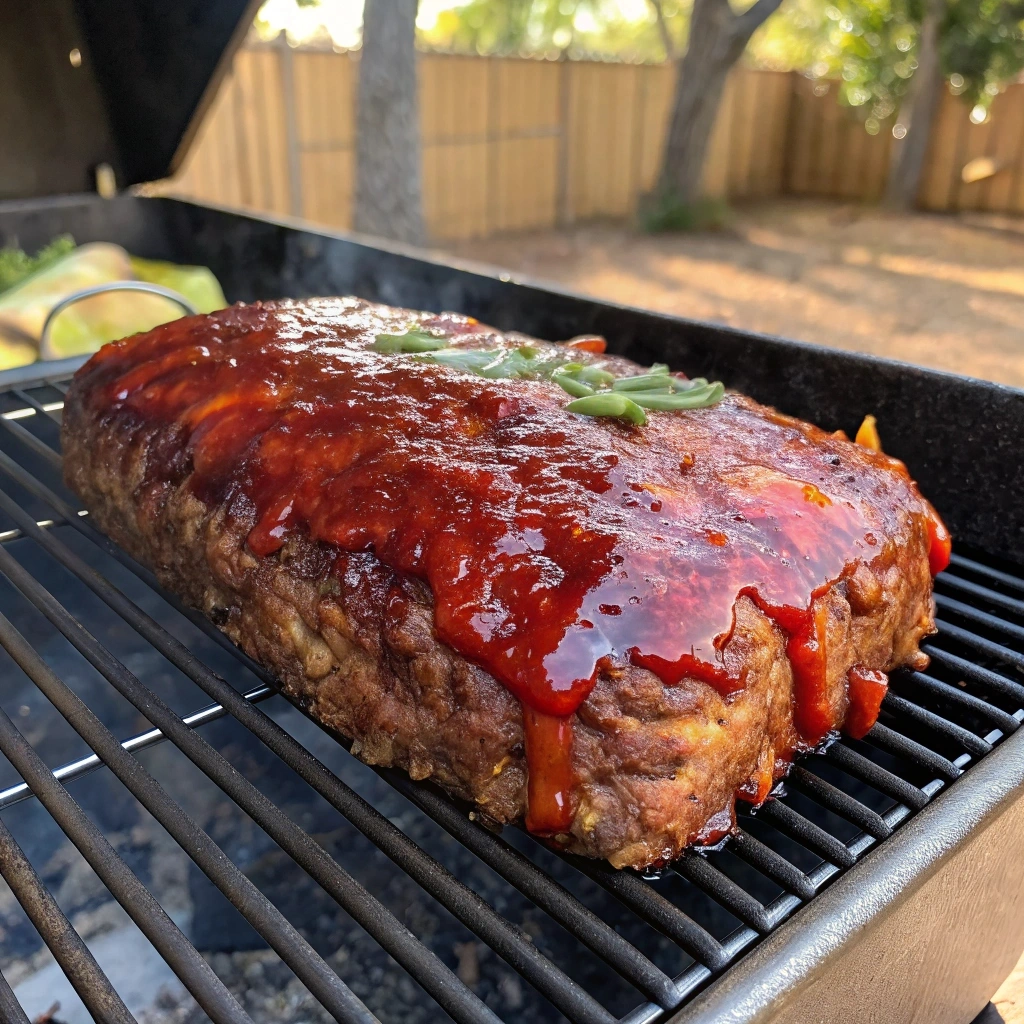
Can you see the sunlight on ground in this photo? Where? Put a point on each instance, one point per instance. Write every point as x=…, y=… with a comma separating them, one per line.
x=1009, y=999
x=935, y=290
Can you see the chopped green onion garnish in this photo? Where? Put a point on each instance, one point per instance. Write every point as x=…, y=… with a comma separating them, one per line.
x=597, y=392
x=410, y=341
x=644, y=382
x=594, y=375
x=574, y=387
x=695, y=398
x=609, y=404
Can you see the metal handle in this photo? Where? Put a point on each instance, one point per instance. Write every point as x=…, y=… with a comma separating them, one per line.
x=113, y=286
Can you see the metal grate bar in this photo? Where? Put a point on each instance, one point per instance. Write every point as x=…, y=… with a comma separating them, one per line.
x=10, y=1008
x=793, y=824
x=910, y=750
x=432, y=973
x=475, y=913
x=85, y=765
x=1008, y=604
x=978, y=674
x=649, y=904
x=951, y=695
x=771, y=864
x=51, y=412
x=74, y=957
x=696, y=868
x=900, y=707
x=838, y=802
x=553, y=898
x=996, y=575
x=195, y=973
x=280, y=935
x=27, y=438
x=860, y=767
x=979, y=617
x=981, y=644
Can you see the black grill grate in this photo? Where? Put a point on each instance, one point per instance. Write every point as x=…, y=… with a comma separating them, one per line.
x=708, y=907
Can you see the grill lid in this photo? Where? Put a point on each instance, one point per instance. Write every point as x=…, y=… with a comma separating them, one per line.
x=85, y=83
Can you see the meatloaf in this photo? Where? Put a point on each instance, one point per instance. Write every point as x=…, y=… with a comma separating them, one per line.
x=608, y=624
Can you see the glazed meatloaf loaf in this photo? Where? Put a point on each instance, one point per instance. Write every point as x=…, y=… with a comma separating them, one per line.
x=604, y=599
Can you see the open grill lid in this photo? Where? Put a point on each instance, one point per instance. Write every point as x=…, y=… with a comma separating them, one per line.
x=118, y=82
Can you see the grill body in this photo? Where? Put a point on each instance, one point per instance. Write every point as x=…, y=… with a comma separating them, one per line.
x=917, y=918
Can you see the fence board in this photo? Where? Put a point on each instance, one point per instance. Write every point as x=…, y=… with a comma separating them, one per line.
x=1008, y=114
x=977, y=141
x=512, y=144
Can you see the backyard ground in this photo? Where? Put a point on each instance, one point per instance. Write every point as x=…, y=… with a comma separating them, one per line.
x=942, y=291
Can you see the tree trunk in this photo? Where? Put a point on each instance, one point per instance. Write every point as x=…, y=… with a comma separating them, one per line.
x=717, y=39
x=917, y=113
x=388, y=200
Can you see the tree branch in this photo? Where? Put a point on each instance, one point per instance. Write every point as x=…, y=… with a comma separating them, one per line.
x=666, y=36
x=746, y=24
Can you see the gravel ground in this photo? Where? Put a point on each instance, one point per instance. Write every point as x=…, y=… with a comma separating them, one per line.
x=936, y=290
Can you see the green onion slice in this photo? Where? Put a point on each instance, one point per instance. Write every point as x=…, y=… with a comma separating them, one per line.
x=573, y=386
x=695, y=398
x=644, y=382
x=409, y=341
x=609, y=404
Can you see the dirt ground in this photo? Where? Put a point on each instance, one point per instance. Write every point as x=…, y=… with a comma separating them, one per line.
x=936, y=290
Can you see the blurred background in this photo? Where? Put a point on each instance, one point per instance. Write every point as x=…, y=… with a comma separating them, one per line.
x=847, y=172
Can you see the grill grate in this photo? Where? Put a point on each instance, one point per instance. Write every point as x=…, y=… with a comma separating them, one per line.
x=710, y=908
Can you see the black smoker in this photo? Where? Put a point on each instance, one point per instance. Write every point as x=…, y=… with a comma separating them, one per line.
x=885, y=885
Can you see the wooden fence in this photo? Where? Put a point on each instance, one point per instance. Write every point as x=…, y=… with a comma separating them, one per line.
x=512, y=144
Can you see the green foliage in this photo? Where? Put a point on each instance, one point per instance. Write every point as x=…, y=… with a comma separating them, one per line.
x=983, y=46
x=871, y=47
x=791, y=38
x=665, y=212
x=579, y=28
x=16, y=265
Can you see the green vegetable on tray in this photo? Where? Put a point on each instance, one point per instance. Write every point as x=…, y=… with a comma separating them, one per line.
x=31, y=286
x=16, y=265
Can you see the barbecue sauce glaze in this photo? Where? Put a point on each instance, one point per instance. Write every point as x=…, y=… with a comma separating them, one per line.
x=555, y=545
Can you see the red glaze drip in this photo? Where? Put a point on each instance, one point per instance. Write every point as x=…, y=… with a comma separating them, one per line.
x=718, y=827
x=549, y=540
x=940, y=544
x=866, y=688
x=549, y=754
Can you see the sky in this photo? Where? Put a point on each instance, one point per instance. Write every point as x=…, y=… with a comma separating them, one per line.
x=343, y=19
